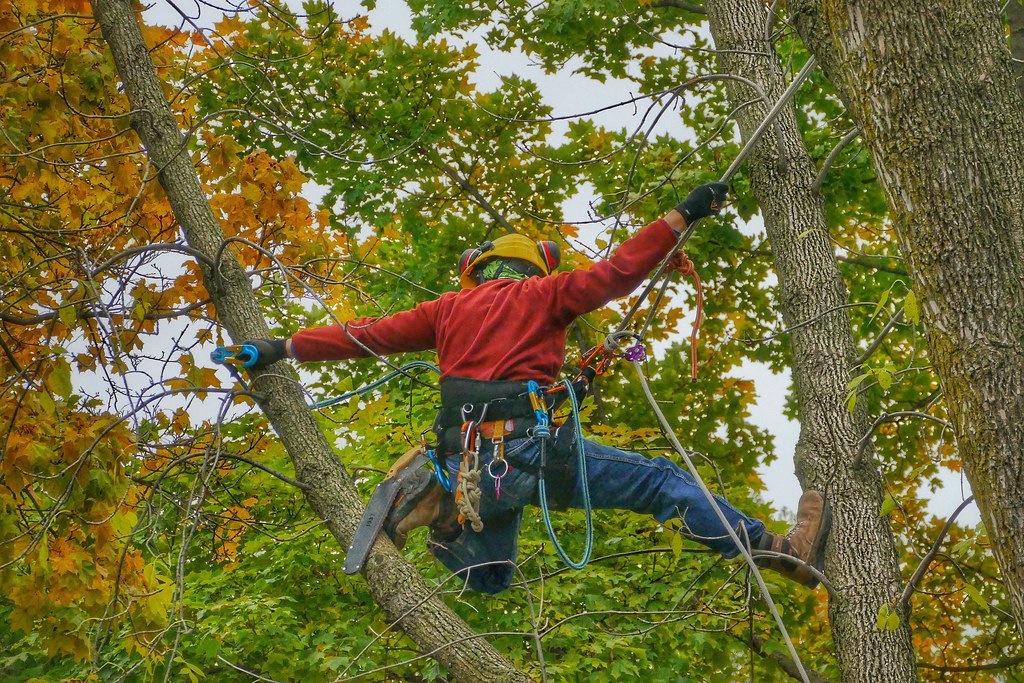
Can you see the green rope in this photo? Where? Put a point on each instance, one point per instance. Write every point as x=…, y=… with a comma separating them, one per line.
x=327, y=402
x=584, y=488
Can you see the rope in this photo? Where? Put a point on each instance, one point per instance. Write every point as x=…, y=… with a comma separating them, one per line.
x=374, y=384
x=687, y=269
x=744, y=551
x=746, y=151
x=583, y=483
x=467, y=492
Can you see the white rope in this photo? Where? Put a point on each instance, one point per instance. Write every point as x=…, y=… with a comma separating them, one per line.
x=667, y=429
x=467, y=493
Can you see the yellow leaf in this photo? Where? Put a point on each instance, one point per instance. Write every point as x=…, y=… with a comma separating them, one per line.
x=59, y=379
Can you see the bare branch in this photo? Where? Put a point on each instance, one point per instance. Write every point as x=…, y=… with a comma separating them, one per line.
x=831, y=159
x=926, y=561
x=873, y=346
x=680, y=4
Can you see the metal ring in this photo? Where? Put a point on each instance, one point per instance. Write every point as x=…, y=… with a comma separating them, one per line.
x=490, y=471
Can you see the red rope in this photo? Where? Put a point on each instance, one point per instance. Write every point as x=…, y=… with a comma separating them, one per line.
x=682, y=264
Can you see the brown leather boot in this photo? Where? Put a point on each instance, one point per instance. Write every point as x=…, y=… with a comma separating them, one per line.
x=421, y=502
x=805, y=541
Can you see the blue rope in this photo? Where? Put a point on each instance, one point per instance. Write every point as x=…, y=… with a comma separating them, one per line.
x=374, y=384
x=584, y=488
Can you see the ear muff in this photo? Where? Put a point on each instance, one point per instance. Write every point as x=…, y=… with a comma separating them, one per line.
x=550, y=254
x=467, y=258
x=470, y=255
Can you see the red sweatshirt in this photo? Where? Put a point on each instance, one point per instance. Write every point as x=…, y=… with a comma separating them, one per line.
x=503, y=329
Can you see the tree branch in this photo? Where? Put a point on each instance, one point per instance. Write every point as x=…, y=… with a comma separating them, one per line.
x=926, y=562
x=1001, y=664
x=757, y=643
x=873, y=346
x=395, y=584
x=680, y=4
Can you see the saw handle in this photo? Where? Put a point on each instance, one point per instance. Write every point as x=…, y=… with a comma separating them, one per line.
x=239, y=355
x=404, y=461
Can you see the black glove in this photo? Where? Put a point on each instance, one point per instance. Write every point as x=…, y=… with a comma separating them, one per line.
x=268, y=351
x=705, y=200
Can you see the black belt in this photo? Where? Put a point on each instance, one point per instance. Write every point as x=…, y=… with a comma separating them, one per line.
x=477, y=400
x=472, y=399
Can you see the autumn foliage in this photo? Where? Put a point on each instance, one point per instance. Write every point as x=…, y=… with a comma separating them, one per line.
x=149, y=524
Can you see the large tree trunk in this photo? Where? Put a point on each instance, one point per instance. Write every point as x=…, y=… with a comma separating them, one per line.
x=395, y=584
x=1015, y=18
x=862, y=561
x=933, y=90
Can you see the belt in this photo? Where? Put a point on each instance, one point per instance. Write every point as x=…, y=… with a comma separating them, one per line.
x=499, y=429
x=450, y=440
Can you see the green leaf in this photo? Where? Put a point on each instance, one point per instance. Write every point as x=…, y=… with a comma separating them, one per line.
x=963, y=547
x=881, y=302
x=676, y=543
x=888, y=505
x=911, y=309
x=68, y=315
x=59, y=379
x=892, y=622
x=44, y=554
x=976, y=596
x=857, y=381
x=883, y=617
x=917, y=471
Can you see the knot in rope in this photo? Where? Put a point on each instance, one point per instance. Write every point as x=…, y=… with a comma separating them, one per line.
x=467, y=493
x=614, y=340
x=682, y=264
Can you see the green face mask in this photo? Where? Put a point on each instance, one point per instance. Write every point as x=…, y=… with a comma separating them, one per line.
x=499, y=269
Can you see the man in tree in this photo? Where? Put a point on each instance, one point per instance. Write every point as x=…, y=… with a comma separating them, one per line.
x=499, y=339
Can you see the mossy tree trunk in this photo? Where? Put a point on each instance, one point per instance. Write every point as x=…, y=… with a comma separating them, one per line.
x=395, y=584
x=933, y=89
x=862, y=561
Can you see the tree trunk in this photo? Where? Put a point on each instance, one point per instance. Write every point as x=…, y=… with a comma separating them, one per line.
x=1015, y=18
x=862, y=561
x=395, y=584
x=933, y=90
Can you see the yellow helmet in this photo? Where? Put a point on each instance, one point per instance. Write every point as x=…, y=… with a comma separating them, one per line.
x=544, y=255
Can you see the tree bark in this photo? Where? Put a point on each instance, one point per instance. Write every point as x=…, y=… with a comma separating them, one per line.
x=933, y=90
x=862, y=561
x=395, y=584
x=1015, y=18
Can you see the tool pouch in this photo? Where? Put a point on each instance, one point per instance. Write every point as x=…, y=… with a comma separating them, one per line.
x=561, y=472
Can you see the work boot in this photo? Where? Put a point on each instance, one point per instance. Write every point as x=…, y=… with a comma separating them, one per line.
x=805, y=541
x=422, y=501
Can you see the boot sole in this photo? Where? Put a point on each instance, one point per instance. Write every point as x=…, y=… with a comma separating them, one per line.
x=821, y=540
x=412, y=490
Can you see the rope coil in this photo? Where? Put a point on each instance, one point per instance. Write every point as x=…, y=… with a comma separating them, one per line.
x=467, y=492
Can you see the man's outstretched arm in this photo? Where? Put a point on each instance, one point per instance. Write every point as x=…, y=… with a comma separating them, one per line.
x=407, y=331
x=581, y=291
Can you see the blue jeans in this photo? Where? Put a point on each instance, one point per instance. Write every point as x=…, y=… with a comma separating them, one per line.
x=617, y=481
